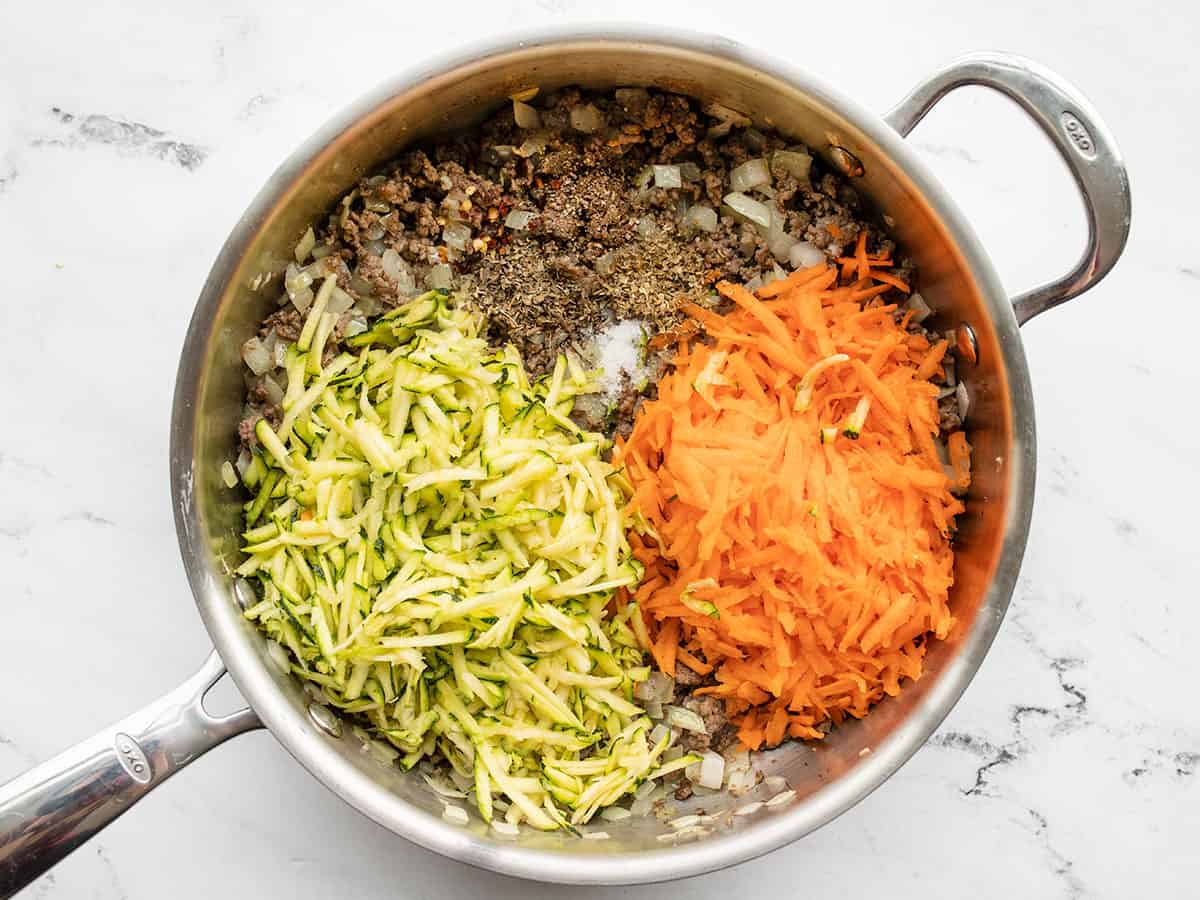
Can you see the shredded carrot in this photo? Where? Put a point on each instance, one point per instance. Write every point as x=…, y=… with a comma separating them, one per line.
x=795, y=516
x=959, y=452
x=894, y=280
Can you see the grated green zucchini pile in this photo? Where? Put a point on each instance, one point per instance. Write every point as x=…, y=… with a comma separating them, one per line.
x=437, y=544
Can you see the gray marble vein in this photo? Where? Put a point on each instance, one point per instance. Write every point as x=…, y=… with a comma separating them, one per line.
x=82, y=129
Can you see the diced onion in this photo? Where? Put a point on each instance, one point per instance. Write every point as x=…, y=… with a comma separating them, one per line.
x=632, y=99
x=519, y=219
x=964, y=402
x=257, y=357
x=457, y=235
x=305, y=245
x=803, y=254
x=701, y=217
x=229, y=474
x=920, y=309
x=741, y=781
x=273, y=389
x=717, y=111
x=586, y=118
x=754, y=138
x=243, y=462
x=781, y=798
x=295, y=278
x=738, y=758
x=775, y=782
x=712, y=770
x=614, y=813
x=793, y=163
x=339, y=301
x=780, y=243
x=463, y=782
x=667, y=177
x=644, y=801
x=690, y=172
x=683, y=834
x=529, y=147
x=596, y=836
x=439, y=277
x=654, y=709
x=647, y=227
x=525, y=115
x=659, y=686
x=356, y=325
x=442, y=789
x=505, y=829
x=679, y=717
x=455, y=815
x=452, y=204
x=748, y=209
x=750, y=174
x=749, y=809
x=685, y=821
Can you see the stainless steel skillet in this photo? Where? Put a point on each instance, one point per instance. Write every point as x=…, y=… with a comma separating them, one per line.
x=50, y=810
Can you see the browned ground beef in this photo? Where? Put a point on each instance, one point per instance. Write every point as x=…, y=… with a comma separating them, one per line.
x=685, y=677
x=602, y=243
x=583, y=256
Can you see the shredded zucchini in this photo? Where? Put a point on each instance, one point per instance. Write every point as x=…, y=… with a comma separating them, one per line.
x=437, y=544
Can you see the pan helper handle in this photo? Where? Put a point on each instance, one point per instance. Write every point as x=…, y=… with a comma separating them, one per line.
x=1079, y=135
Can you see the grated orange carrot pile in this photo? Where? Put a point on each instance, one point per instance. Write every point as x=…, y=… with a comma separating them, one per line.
x=796, y=513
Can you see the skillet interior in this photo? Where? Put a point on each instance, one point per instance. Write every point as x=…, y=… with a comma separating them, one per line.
x=956, y=279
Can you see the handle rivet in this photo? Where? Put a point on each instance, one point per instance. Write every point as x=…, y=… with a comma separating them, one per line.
x=243, y=593
x=966, y=343
x=325, y=719
x=846, y=162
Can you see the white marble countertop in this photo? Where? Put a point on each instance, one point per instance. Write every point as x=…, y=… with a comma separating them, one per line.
x=1070, y=768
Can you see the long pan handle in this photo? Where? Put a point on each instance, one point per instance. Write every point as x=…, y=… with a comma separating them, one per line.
x=53, y=808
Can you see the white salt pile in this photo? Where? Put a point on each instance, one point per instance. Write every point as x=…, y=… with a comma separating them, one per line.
x=619, y=349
